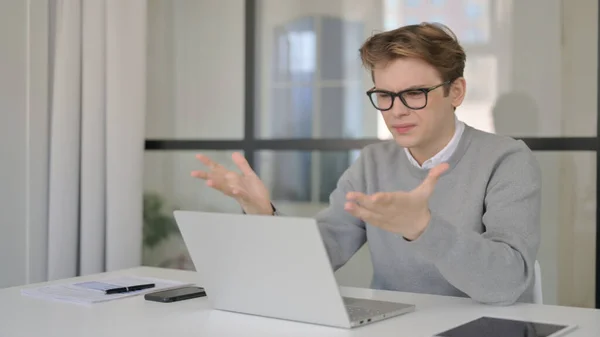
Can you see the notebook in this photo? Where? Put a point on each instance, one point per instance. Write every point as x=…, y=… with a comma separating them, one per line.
x=89, y=292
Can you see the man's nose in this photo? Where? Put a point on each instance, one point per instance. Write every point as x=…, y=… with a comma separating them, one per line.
x=398, y=108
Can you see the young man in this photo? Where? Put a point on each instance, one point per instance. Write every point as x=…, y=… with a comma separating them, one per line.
x=446, y=209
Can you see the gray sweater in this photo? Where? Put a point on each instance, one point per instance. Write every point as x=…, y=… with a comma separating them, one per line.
x=484, y=233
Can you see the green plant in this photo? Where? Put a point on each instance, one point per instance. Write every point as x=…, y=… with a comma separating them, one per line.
x=158, y=225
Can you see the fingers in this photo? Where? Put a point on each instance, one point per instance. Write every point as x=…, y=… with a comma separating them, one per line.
x=438, y=170
x=214, y=167
x=241, y=162
x=427, y=186
x=361, y=212
x=373, y=202
x=230, y=184
x=356, y=196
x=361, y=199
x=200, y=174
x=207, y=161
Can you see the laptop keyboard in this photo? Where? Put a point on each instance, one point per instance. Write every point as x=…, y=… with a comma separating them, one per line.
x=357, y=313
x=365, y=309
x=359, y=309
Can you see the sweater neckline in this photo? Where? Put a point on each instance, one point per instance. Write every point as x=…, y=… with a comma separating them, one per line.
x=459, y=152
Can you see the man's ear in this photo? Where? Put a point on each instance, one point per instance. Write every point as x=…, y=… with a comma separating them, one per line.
x=458, y=90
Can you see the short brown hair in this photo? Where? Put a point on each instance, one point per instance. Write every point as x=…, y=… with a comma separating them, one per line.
x=433, y=43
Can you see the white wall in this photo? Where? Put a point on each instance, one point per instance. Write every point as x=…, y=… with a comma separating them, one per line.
x=196, y=90
x=540, y=80
x=23, y=131
x=197, y=52
x=12, y=137
x=579, y=67
x=575, y=237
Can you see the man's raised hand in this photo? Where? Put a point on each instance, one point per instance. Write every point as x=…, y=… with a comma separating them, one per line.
x=405, y=213
x=245, y=187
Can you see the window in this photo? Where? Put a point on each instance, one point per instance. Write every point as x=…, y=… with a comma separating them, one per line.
x=317, y=92
x=470, y=20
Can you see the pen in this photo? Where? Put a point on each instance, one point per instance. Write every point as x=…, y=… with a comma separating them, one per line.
x=128, y=289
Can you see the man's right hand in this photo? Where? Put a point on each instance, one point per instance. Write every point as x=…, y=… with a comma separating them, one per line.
x=247, y=188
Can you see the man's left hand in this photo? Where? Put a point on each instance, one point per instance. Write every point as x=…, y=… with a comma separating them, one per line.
x=405, y=213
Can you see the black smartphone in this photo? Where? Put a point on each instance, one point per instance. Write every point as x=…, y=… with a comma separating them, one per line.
x=174, y=295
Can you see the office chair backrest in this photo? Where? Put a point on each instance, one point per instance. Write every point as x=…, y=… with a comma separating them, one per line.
x=537, y=286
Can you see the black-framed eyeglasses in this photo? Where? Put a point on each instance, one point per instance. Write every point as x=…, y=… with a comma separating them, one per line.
x=414, y=99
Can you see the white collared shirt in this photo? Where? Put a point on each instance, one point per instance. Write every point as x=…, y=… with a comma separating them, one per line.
x=446, y=152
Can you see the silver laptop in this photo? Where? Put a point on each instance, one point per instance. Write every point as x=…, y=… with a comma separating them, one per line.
x=273, y=266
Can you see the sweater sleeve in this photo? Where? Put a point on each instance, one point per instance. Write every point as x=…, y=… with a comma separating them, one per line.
x=497, y=266
x=342, y=233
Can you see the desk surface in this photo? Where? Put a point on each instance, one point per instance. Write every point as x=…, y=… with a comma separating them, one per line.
x=25, y=316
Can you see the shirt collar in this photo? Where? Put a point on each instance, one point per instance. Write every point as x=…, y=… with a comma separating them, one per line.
x=445, y=153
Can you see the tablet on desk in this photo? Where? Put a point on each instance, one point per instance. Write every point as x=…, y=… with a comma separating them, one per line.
x=501, y=327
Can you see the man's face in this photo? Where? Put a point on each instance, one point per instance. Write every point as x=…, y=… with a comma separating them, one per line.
x=413, y=127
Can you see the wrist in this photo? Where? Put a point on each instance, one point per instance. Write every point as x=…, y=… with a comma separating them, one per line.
x=271, y=210
x=263, y=210
x=419, y=226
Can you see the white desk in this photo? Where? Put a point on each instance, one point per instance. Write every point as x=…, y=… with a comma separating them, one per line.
x=25, y=316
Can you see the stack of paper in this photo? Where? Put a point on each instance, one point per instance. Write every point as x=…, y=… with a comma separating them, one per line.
x=94, y=291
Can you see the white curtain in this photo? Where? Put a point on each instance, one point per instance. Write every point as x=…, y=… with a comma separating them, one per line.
x=97, y=118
